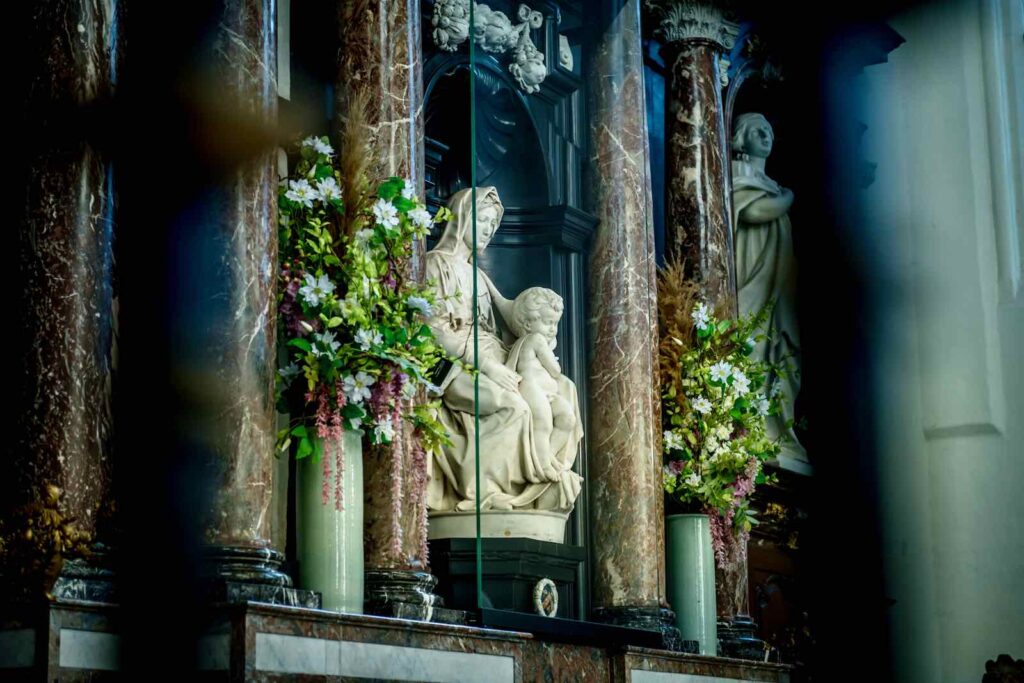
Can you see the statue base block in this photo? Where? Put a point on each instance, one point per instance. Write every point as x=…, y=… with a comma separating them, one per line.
x=540, y=525
x=511, y=569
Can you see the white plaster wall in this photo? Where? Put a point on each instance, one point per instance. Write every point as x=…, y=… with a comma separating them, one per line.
x=943, y=232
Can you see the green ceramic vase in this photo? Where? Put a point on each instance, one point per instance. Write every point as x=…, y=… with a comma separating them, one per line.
x=330, y=541
x=690, y=567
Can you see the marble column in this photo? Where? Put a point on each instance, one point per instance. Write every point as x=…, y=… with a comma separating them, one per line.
x=239, y=350
x=695, y=40
x=63, y=322
x=626, y=499
x=380, y=70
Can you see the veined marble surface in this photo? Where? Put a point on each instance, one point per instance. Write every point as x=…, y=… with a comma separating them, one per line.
x=301, y=655
x=697, y=208
x=242, y=352
x=380, y=60
x=64, y=259
x=624, y=447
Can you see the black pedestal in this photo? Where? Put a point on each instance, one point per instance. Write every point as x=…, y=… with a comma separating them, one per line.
x=236, y=574
x=656, y=619
x=737, y=639
x=407, y=594
x=511, y=569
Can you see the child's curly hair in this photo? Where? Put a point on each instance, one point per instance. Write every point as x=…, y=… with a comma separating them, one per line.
x=529, y=305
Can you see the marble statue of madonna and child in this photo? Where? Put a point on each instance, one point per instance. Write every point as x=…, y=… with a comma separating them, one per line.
x=527, y=414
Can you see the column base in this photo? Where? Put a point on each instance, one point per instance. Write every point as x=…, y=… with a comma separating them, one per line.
x=657, y=619
x=737, y=638
x=87, y=580
x=239, y=574
x=407, y=594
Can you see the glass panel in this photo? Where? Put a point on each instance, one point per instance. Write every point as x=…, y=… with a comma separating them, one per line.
x=523, y=187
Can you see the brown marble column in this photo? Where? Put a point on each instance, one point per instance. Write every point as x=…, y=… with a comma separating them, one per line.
x=626, y=499
x=380, y=71
x=695, y=39
x=240, y=351
x=64, y=313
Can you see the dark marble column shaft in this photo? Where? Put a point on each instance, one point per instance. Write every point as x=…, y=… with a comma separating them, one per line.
x=626, y=499
x=380, y=67
x=240, y=350
x=64, y=325
x=697, y=220
x=697, y=37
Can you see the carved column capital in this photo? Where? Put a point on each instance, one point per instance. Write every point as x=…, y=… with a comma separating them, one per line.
x=683, y=21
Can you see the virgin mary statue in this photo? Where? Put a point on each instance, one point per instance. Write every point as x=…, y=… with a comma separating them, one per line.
x=511, y=473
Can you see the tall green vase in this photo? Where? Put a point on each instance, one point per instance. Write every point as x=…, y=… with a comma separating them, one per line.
x=690, y=566
x=330, y=541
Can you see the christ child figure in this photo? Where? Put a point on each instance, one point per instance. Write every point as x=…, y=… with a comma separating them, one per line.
x=535, y=316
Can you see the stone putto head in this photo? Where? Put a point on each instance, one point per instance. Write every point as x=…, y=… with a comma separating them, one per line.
x=536, y=310
x=752, y=136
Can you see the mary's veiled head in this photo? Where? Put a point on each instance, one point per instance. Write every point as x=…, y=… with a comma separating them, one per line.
x=459, y=231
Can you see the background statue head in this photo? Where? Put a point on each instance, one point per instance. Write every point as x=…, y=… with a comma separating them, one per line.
x=752, y=136
x=459, y=230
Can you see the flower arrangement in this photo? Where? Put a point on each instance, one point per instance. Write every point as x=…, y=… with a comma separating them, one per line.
x=715, y=398
x=352, y=322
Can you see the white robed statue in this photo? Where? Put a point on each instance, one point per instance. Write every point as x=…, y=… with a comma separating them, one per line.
x=766, y=268
x=528, y=412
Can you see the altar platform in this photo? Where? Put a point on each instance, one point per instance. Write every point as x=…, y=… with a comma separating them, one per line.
x=79, y=641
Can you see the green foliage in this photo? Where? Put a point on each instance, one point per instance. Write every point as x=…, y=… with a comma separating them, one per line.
x=716, y=398
x=353, y=324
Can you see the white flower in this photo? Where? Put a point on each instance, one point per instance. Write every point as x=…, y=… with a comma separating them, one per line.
x=327, y=344
x=385, y=213
x=762, y=404
x=289, y=372
x=673, y=441
x=723, y=433
x=328, y=189
x=409, y=191
x=363, y=237
x=384, y=432
x=420, y=217
x=692, y=480
x=700, y=316
x=701, y=405
x=711, y=444
x=740, y=383
x=418, y=303
x=357, y=389
x=323, y=147
x=319, y=145
x=315, y=290
x=368, y=338
x=301, y=192
x=720, y=371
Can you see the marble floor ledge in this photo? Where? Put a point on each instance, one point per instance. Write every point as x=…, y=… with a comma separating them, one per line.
x=367, y=621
